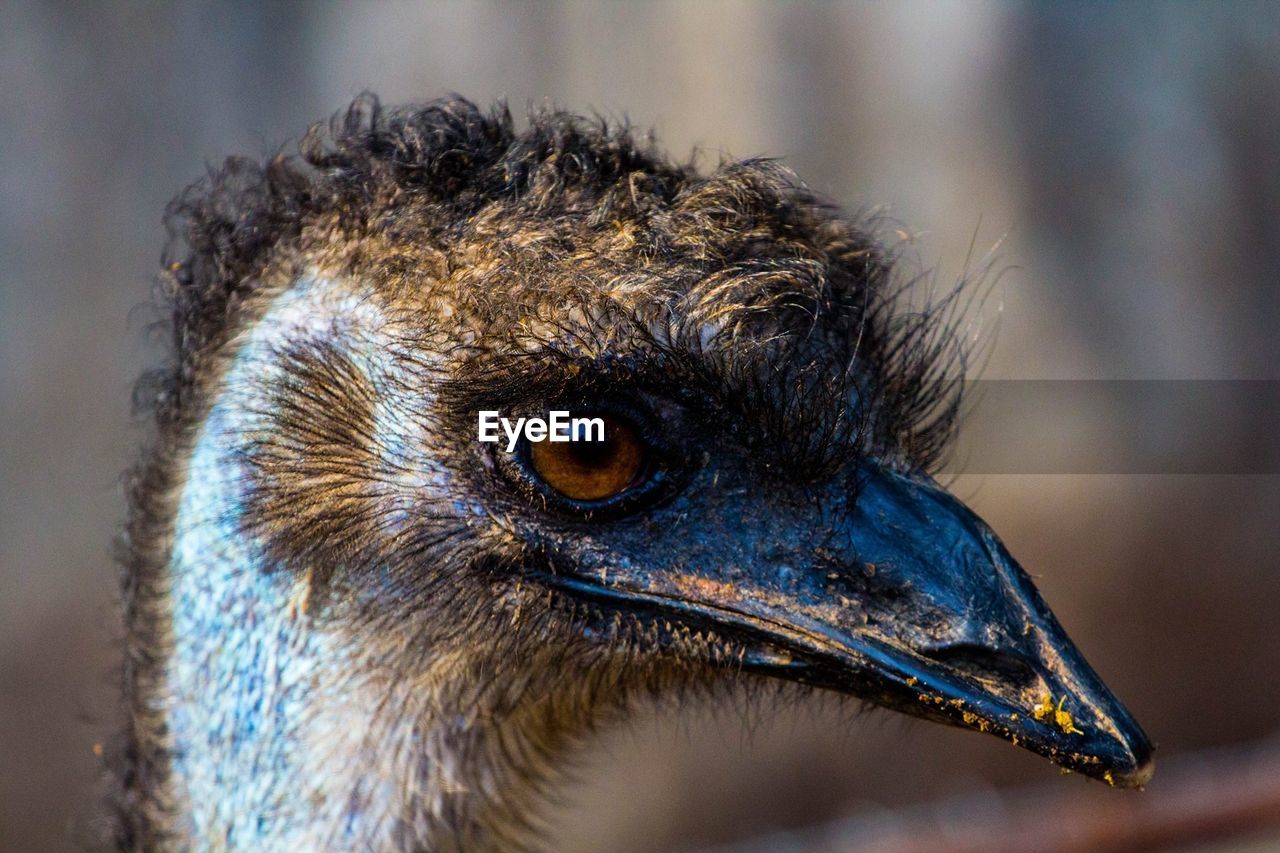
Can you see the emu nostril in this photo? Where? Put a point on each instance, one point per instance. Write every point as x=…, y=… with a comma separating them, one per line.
x=985, y=664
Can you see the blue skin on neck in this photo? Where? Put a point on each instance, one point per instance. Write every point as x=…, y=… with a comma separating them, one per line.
x=263, y=719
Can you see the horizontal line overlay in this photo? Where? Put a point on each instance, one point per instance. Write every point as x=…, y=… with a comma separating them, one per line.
x=1174, y=426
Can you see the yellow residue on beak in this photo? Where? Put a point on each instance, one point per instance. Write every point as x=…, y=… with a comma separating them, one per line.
x=971, y=719
x=1063, y=719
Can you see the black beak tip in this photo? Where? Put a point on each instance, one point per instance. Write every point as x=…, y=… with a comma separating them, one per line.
x=1136, y=767
x=1117, y=752
x=1139, y=776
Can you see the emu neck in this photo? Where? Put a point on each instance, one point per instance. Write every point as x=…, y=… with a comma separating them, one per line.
x=283, y=732
x=280, y=737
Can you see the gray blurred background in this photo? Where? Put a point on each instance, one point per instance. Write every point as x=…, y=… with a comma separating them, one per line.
x=1126, y=158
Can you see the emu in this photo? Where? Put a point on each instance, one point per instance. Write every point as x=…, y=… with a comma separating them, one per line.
x=352, y=624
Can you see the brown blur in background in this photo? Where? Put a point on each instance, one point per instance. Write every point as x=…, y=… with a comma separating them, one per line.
x=1126, y=157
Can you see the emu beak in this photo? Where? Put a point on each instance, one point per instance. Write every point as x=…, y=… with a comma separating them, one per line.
x=907, y=600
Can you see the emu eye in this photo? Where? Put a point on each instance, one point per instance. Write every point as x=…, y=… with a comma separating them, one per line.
x=584, y=470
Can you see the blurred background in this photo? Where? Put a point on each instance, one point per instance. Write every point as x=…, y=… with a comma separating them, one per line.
x=1126, y=159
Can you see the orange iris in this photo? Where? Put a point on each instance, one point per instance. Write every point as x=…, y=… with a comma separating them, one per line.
x=591, y=470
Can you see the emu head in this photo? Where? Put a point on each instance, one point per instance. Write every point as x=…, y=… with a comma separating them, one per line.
x=348, y=610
